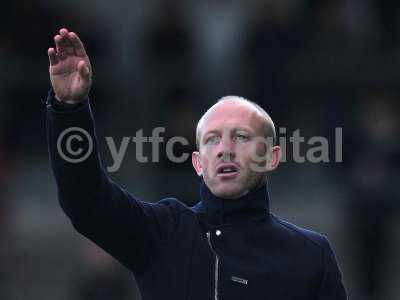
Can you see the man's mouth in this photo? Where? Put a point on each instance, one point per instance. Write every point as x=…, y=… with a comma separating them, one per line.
x=227, y=171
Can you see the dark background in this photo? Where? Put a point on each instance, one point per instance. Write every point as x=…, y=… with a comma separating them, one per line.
x=313, y=65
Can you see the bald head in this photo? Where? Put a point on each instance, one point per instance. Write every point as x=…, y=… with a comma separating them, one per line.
x=268, y=124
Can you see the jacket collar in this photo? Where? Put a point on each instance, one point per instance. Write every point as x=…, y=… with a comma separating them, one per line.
x=252, y=206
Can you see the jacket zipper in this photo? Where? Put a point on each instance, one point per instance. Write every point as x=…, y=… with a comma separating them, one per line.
x=216, y=266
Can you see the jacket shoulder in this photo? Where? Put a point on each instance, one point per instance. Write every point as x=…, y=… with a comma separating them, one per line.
x=175, y=207
x=308, y=236
x=173, y=203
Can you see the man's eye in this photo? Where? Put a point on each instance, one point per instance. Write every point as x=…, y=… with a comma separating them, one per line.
x=241, y=138
x=212, y=140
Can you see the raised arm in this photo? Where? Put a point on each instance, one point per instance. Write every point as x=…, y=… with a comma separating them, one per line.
x=129, y=229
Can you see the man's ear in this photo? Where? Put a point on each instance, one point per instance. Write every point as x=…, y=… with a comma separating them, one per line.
x=196, y=162
x=274, y=158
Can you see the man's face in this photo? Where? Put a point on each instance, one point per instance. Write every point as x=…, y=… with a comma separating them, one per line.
x=229, y=141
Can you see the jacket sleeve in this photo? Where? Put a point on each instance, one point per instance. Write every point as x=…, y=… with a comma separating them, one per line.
x=129, y=229
x=331, y=287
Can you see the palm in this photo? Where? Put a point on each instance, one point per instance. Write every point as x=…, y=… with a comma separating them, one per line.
x=70, y=70
x=66, y=80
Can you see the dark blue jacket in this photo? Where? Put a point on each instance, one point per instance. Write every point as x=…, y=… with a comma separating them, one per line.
x=218, y=249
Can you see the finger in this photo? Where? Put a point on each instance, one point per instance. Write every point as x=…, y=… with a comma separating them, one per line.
x=63, y=31
x=83, y=69
x=60, y=46
x=52, y=56
x=77, y=44
x=69, y=49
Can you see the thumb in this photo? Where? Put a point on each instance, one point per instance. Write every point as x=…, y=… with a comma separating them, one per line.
x=83, y=69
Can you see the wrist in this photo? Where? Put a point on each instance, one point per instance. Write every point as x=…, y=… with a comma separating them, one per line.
x=63, y=105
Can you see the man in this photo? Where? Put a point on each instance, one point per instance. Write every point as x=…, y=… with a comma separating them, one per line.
x=228, y=246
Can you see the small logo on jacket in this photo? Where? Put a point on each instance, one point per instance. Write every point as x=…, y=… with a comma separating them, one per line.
x=239, y=280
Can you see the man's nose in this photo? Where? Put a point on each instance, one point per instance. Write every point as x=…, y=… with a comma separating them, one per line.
x=226, y=149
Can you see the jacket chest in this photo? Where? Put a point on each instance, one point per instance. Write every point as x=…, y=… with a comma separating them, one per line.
x=241, y=263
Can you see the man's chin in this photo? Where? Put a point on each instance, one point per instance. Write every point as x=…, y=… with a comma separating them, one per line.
x=226, y=192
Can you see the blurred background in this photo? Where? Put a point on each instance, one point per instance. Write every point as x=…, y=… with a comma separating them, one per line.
x=313, y=65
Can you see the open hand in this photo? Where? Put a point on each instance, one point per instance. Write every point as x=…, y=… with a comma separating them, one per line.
x=70, y=69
